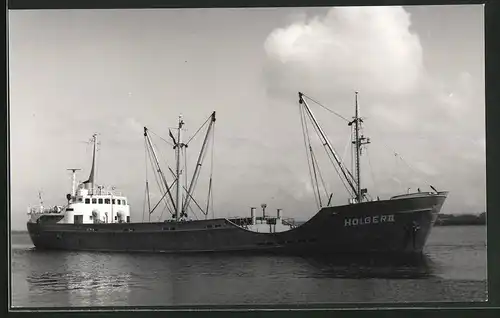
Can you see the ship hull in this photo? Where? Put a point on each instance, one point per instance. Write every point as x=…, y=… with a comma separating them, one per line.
x=399, y=226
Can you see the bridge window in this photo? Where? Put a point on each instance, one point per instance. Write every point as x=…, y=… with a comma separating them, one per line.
x=124, y=202
x=107, y=201
x=100, y=201
x=80, y=200
x=118, y=201
x=113, y=201
x=87, y=201
x=90, y=217
x=128, y=219
x=94, y=201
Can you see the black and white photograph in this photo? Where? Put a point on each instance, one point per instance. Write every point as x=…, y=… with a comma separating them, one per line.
x=247, y=156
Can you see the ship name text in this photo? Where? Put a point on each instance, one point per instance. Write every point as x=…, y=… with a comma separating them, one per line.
x=389, y=218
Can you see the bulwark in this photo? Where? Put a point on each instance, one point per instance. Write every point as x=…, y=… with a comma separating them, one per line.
x=369, y=220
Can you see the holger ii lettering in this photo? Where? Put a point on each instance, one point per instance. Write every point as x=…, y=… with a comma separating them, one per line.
x=375, y=219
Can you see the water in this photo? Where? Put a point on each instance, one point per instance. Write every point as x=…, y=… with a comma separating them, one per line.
x=454, y=270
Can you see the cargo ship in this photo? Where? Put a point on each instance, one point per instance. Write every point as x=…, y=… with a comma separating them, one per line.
x=96, y=218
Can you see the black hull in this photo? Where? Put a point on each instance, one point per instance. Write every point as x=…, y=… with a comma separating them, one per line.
x=399, y=226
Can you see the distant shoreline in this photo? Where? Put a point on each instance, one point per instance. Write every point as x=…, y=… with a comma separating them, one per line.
x=464, y=219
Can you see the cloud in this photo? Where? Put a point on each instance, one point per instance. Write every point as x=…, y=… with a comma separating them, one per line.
x=350, y=48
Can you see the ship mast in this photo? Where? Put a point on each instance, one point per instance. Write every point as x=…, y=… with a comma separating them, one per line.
x=178, y=172
x=89, y=184
x=358, y=142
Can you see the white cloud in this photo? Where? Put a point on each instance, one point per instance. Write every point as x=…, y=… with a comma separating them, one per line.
x=364, y=48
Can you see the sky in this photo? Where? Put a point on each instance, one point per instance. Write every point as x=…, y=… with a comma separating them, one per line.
x=419, y=72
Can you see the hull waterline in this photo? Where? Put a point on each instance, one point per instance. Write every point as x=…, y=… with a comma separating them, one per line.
x=399, y=226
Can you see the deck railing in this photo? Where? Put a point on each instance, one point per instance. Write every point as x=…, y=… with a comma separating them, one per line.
x=103, y=191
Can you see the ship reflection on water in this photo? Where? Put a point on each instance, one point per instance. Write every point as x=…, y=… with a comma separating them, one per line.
x=453, y=271
x=82, y=279
x=366, y=267
x=102, y=272
x=101, y=279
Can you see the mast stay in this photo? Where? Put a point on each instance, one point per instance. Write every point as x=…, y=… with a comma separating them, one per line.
x=351, y=182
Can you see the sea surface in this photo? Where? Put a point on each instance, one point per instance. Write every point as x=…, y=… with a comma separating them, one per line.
x=454, y=269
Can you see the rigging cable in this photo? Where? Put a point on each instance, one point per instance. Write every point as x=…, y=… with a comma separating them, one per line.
x=160, y=184
x=198, y=168
x=185, y=171
x=328, y=109
x=211, y=173
x=319, y=172
x=163, y=187
x=195, y=181
x=97, y=160
x=321, y=177
x=186, y=190
x=161, y=215
x=398, y=156
x=146, y=166
x=168, y=142
x=345, y=119
x=158, y=203
x=192, y=212
x=304, y=125
x=147, y=189
x=206, y=121
x=352, y=148
x=334, y=165
x=314, y=166
x=348, y=173
x=315, y=176
x=371, y=169
x=346, y=147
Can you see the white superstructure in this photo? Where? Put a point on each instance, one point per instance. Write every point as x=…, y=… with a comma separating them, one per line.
x=87, y=203
x=96, y=205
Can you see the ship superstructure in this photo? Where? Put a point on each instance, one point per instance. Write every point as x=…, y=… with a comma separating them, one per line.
x=88, y=203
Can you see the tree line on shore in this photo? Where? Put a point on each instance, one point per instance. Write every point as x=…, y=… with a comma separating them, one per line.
x=461, y=219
